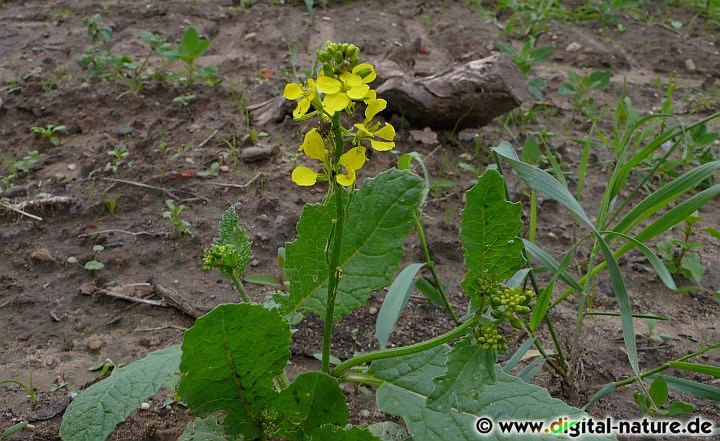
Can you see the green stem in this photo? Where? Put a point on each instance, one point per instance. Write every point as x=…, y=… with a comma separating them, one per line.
x=665, y=366
x=406, y=350
x=431, y=265
x=336, y=242
x=355, y=377
x=239, y=287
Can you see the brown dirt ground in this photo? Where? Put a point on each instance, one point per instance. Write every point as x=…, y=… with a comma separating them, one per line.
x=52, y=332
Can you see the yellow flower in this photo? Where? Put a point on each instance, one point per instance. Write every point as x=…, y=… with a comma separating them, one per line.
x=304, y=176
x=303, y=95
x=314, y=146
x=351, y=161
x=351, y=86
x=386, y=133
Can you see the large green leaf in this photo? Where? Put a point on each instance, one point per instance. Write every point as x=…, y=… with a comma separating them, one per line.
x=206, y=429
x=379, y=217
x=334, y=433
x=231, y=358
x=93, y=415
x=314, y=399
x=463, y=390
x=489, y=232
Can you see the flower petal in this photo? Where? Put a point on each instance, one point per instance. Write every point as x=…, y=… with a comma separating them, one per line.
x=366, y=71
x=302, y=108
x=363, y=131
x=304, y=177
x=358, y=92
x=353, y=159
x=293, y=91
x=382, y=146
x=371, y=95
x=351, y=80
x=336, y=102
x=374, y=107
x=314, y=146
x=347, y=179
x=328, y=85
x=386, y=133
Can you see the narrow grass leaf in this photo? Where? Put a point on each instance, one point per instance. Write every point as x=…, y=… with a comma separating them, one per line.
x=695, y=367
x=694, y=388
x=518, y=355
x=657, y=264
x=394, y=303
x=550, y=263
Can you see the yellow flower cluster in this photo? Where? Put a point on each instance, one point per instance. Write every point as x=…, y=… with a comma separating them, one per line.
x=324, y=97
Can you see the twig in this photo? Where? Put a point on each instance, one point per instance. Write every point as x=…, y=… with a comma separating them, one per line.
x=178, y=301
x=160, y=328
x=223, y=184
x=52, y=200
x=19, y=211
x=202, y=144
x=140, y=184
x=129, y=233
x=131, y=298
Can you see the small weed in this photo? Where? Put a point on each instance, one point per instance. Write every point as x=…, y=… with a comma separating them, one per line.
x=579, y=88
x=118, y=158
x=27, y=387
x=94, y=264
x=172, y=214
x=211, y=172
x=525, y=59
x=48, y=133
x=680, y=255
x=111, y=202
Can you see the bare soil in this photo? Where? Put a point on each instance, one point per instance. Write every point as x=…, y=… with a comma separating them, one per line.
x=53, y=331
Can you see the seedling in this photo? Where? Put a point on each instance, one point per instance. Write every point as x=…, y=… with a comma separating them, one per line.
x=580, y=88
x=253, y=136
x=12, y=430
x=525, y=59
x=103, y=368
x=48, y=133
x=211, y=172
x=118, y=158
x=111, y=202
x=94, y=264
x=172, y=214
x=191, y=47
x=680, y=255
x=658, y=397
x=27, y=387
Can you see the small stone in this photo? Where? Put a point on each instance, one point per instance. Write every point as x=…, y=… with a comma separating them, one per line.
x=372, y=310
x=87, y=288
x=25, y=336
x=42, y=255
x=250, y=36
x=279, y=219
x=364, y=413
x=255, y=263
x=125, y=130
x=263, y=236
x=16, y=229
x=264, y=218
x=468, y=135
x=94, y=343
x=690, y=65
x=224, y=168
x=425, y=136
x=573, y=47
x=256, y=154
x=145, y=406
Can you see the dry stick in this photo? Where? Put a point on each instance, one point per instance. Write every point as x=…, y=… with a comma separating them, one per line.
x=160, y=328
x=202, y=144
x=223, y=184
x=140, y=184
x=116, y=295
x=19, y=211
x=53, y=200
x=178, y=301
x=129, y=233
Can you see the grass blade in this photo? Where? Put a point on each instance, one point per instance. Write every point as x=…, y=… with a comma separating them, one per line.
x=549, y=262
x=695, y=367
x=397, y=297
x=518, y=355
x=654, y=260
x=694, y=388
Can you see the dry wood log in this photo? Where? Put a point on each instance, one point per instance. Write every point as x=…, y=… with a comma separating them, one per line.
x=178, y=301
x=469, y=95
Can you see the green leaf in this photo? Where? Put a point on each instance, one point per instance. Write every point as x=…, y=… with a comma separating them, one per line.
x=394, y=303
x=678, y=408
x=94, y=265
x=489, y=232
x=464, y=391
x=693, y=267
x=699, y=390
x=192, y=46
x=531, y=151
x=389, y=431
x=550, y=263
x=657, y=264
x=379, y=217
x=237, y=247
x=263, y=279
x=518, y=355
x=206, y=429
x=94, y=414
x=230, y=360
x=695, y=367
x=659, y=391
x=313, y=400
x=430, y=292
x=333, y=433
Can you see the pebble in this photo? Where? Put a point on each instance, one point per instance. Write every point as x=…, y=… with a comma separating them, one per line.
x=250, y=36
x=145, y=406
x=690, y=65
x=87, y=288
x=364, y=413
x=16, y=229
x=256, y=154
x=94, y=343
x=42, y=255
x=125, y=130
x=372, y=310
x=573, y=47
x=425, y=136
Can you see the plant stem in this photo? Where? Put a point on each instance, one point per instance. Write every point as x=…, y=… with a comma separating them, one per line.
x=239, y=287
x=431, y=265
x=335, y=242
x=406, y=350
x=355, y=377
